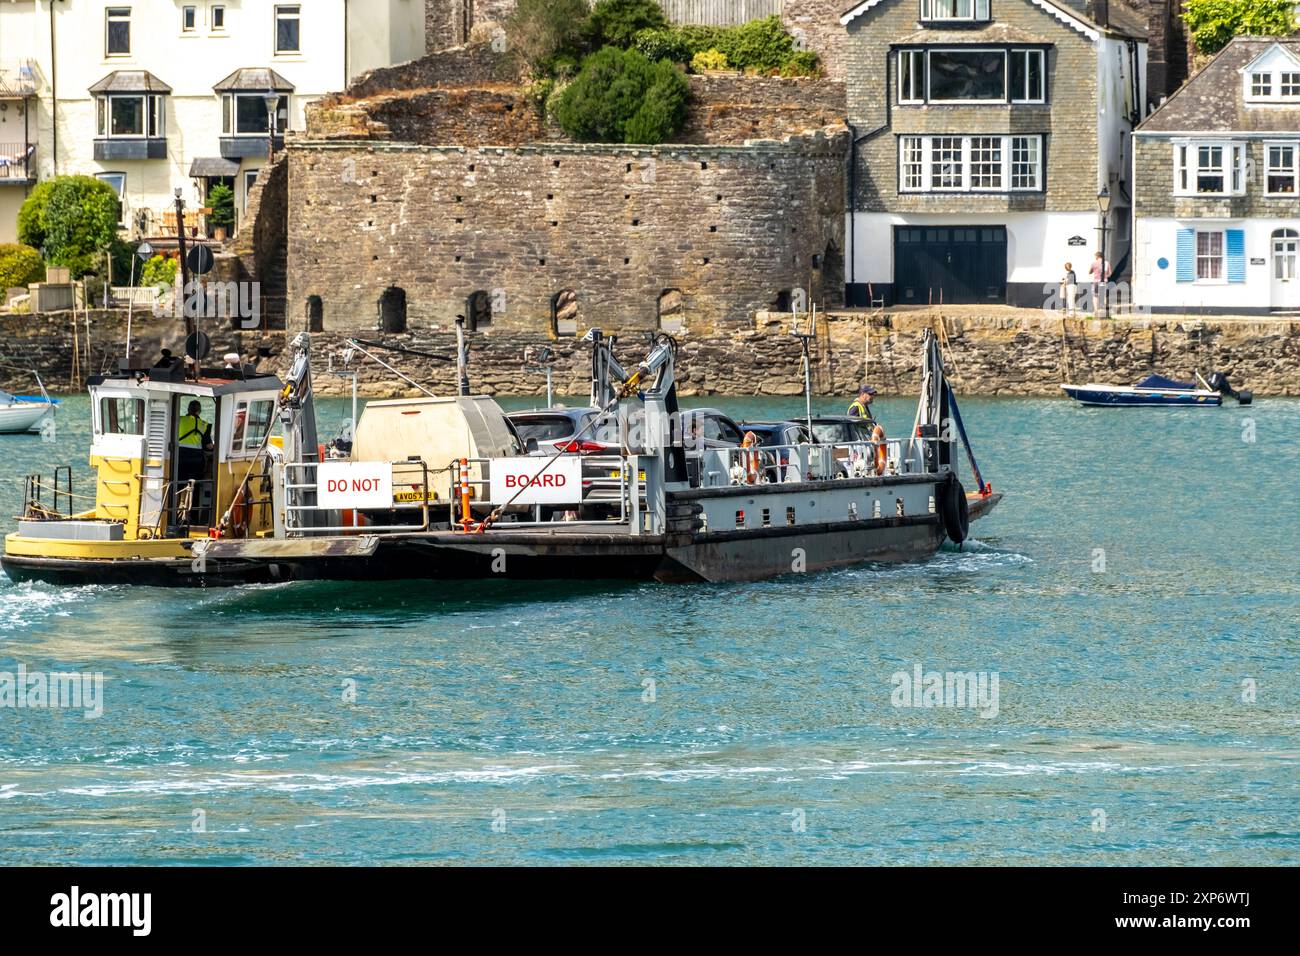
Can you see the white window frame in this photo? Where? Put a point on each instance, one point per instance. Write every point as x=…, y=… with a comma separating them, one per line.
x=286, y=11
x=1293, y=171
x=1028, y=53
x=908, y=61
x=1188, y=168
x=115, y=15
x=190, y=18
x=909, y=157
x=230, y=113
x=153, y=116
x=946, y=11
x=213, y=10
x=250, y=177
x=1222, y=278
x=118, y=183
x=1267, y=86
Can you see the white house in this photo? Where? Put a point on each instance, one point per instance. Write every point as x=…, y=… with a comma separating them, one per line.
x=155, y=95
x=1217, y=174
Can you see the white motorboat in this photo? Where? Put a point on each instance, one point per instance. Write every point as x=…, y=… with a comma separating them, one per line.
x=25, y=413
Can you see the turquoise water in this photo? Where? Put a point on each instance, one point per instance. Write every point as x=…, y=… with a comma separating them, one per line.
x=499, y=723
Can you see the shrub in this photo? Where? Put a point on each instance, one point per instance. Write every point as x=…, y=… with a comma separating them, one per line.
x=707, y=60
x=541, y=31
x=1214, y=22
x=19, y=266
x=617, y=22
x=221, y=199
x=801, y=63
x=697, y=39
x=760, y=45
x=73, y=219
x=619, y=96
x=663, y=45
x=158, y=271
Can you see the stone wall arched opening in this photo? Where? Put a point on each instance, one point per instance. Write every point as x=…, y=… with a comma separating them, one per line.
x=564, y=312
x=392, y=310
x=671, y=311
x=478, y=310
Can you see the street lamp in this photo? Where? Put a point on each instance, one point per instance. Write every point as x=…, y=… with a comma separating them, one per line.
x=1102, y=306
x=272, y=101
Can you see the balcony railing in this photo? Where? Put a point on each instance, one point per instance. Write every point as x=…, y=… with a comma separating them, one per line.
x=16, y=165
x=18, y=78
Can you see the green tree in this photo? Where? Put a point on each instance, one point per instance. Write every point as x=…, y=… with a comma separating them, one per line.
x=1214, y=22
x=73, y=219
x=619, y=96
x=540, y=31
x=159, y=270
x=760, y=45
x=617, y=22
x=19, y=266
x=221, y=200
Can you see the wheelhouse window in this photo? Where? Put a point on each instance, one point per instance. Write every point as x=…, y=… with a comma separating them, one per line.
x=117, y=31
x=287, y=23
x=1281, y=172
x=1209, y=169
x=972, y=75
x=970, y=163
x=250, y=425
x=944, y=10
x=130, y=115
x=1209, y=255
x=245, y=114
x=121, y=416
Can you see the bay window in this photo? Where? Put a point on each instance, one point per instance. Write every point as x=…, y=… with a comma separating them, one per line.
x=941, y=10
x=244, y=114
x=1209, y=169
x=972, y=75
x=130, y=115
x=1281, y=170
x=970, y=164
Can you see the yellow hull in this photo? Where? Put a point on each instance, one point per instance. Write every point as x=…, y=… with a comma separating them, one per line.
x=20, y=546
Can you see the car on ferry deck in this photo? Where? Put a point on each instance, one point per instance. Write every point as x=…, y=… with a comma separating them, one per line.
x=779, y=436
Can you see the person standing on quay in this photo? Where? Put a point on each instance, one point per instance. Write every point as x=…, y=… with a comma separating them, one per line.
x=1099, y=271
x=1069, y=289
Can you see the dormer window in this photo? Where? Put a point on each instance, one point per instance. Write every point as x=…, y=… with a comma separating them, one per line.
x=942, y=11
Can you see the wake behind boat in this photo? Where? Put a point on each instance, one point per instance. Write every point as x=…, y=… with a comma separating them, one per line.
x=1158, y=390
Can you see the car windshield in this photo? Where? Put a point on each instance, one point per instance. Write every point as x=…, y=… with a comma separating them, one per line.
x=542, y=428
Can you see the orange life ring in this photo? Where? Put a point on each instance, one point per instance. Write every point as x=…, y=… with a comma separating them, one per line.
x=882, y=452
x=751, y=457
x=239, y=513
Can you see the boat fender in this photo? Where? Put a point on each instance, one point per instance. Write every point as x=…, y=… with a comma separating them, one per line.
x=751, y=457
x=1245, y=397
x=954, y=510
x=882, y=452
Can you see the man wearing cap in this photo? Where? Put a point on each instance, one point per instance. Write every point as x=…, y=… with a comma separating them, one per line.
x=861, y=407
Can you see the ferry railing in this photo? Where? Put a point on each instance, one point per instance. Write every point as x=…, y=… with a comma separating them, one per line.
x=804, y=462
x=624, y=475
x=301, y=476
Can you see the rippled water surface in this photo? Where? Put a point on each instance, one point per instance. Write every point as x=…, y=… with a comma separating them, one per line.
x=1142, y=569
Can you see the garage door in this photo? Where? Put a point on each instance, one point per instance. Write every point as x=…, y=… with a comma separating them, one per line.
x=950, y=264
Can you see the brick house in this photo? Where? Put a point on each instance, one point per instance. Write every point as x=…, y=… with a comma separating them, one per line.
x=1217, y=176
x=984, y=133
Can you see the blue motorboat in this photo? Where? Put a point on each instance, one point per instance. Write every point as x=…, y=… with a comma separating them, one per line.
x=1158, y=390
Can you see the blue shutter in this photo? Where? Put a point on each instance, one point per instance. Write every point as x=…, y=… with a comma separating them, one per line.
x=1186, y=255
x=1236, y=241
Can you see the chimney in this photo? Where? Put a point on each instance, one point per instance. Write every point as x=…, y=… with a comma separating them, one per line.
x=1099, y=12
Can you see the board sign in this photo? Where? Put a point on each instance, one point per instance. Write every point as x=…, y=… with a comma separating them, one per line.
x=354, y=484
x=1257, y=262
x=1076, y=241
x=536, y=481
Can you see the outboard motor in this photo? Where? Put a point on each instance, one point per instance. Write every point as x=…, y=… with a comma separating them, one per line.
x=1219, y=382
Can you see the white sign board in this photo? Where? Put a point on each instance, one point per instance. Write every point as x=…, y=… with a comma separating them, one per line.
x=536, y=482
x=354, y=484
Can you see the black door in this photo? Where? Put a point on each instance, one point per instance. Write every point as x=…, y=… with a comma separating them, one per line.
x=950, y=264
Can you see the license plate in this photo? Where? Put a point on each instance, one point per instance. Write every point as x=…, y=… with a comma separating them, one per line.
x=414, y=496
x=616, y=474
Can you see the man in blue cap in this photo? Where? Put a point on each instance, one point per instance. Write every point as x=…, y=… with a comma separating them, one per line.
x=861, y=407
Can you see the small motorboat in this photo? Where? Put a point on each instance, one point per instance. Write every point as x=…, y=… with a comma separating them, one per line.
x=1158, y=390
x=25, y=413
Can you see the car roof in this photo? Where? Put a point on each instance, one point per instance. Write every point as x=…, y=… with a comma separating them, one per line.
x=559, y=412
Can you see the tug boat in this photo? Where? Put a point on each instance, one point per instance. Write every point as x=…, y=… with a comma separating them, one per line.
x=1158, y=390
x=439, y=488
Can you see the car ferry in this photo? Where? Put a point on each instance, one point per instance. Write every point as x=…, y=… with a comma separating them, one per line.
x=441, y=488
